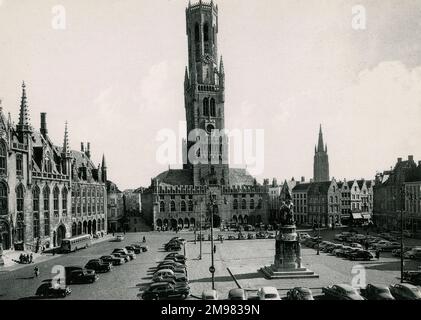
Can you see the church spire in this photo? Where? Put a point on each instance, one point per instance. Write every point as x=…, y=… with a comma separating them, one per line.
x=320, y=146
x=66, y=147
x=104, y=170
x=186, y=79
x=24, y=124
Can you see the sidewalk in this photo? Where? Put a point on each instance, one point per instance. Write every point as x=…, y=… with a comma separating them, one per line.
x=10, y=255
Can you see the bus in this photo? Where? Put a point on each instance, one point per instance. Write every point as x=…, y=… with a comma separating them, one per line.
x=75, y=243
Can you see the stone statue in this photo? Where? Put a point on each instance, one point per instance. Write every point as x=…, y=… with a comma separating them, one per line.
x=287, y=216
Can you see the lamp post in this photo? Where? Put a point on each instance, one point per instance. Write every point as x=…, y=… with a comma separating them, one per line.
x=212, y=205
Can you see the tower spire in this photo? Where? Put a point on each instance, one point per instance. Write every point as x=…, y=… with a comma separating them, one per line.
x=320, y=146
x=24, y=124
x=66, y=147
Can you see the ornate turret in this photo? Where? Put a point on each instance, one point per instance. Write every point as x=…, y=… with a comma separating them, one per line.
x=104, y=169
x=24, y=119
x=66, y=147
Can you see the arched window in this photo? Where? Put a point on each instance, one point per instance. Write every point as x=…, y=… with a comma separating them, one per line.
x=206, y=107
x=46, y=198
x=3, y=159
x=162, y=206
x=55, y=200
x=20, y=225
x=35, y=199
x=64, y=200
x=243, y=204
x=172, y=206
x=183, y=205
x=251, y=203
x=3, y=199
x=212, y=107
x=235, y=204
x=190, y=206
x=19, y=164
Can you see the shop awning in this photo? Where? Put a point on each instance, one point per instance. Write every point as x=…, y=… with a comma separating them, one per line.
x=356, y=215
x=366, y=216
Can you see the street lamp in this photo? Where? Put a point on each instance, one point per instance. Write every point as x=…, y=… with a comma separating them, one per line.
x=212, y=205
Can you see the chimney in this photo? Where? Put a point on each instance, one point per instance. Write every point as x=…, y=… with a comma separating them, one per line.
x=88, y=150
x=44, y=130
x=303, y=179
x=399, y=160
x=411, y=158
x=82, y=148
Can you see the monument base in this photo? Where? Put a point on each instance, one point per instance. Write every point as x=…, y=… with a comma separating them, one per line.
x=272, y=272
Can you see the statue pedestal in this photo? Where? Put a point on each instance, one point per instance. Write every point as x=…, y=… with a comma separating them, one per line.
x=287, y=262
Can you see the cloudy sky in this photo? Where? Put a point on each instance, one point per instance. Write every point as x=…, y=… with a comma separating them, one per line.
x=115, y=73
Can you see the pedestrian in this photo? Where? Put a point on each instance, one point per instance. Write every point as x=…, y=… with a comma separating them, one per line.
x=36, y=271
x=144, y=239
x=31, y=257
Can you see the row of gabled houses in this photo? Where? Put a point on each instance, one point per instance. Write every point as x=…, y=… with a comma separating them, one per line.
x=328, y=202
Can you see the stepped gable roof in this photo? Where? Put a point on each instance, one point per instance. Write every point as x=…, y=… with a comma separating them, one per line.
x=176, y=177
x=301, y=187
x=238, y=176
x=360, y=183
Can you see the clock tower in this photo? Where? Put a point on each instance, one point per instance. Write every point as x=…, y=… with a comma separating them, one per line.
x=204, y=87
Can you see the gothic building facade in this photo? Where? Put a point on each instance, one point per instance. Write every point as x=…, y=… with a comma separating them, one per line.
x=179, y=198
x=321, y=161
x=47, y=192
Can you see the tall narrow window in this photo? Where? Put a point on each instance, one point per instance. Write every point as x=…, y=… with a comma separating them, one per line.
x=55, y=201
x=197, y=41
x=20, y=224
x=35, y=210
x=243, y=204
x=190, y=206
x=19, y=164
x=3, y=199
x=64, y=200
x=3, y=159
x=212, y=107
x=172, y=206
x=46, y=198
x=206, y=107
x=162, y=206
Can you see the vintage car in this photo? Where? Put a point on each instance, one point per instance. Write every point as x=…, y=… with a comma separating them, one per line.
x=341, y=292
x=166, y=290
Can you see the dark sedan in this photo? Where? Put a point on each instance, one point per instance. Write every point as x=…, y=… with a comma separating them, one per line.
x=48, y=289
x=113, y=260
x=377, y=292
x=166, y=290
x=82, y=276
x=361, y=255
x=341, y=292
x=98, y=266
x=405, y=291
x=300, y=293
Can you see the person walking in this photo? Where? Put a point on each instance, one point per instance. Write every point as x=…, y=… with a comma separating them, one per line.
x=36, y=271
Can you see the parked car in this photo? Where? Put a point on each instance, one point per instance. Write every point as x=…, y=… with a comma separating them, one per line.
x=241, y=236
x=377, y=292
x=82, y=276
x=163, y=274
x=341, y=292
x=414, y=277
x=237, y=294
x=119, y=238
x=268, y=293
x=405, y=291
x=50, y=289
x=113, y=260
x=361, y=255
x=348, y=253
x=337, y=249
x=172, y=247
x=397, y=252
x=332, y=247
x=341, y=252
x=232, y=237
x=300, y=293
x=356, y=245
x=323, y=244
x=210, y=295
x=175, y=255
x=271, y=235
x=172, y=263
x=165, y=290
x=388, y=246
x=175, y=269
x=250, y=236
x=135, y=249
x=98, y=265
x=121, y=255
x=304, y=235
x=414, y=253
x=129, y=253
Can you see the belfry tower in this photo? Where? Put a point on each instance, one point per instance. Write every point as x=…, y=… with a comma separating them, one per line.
x=321, y=160
x=204, y=87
